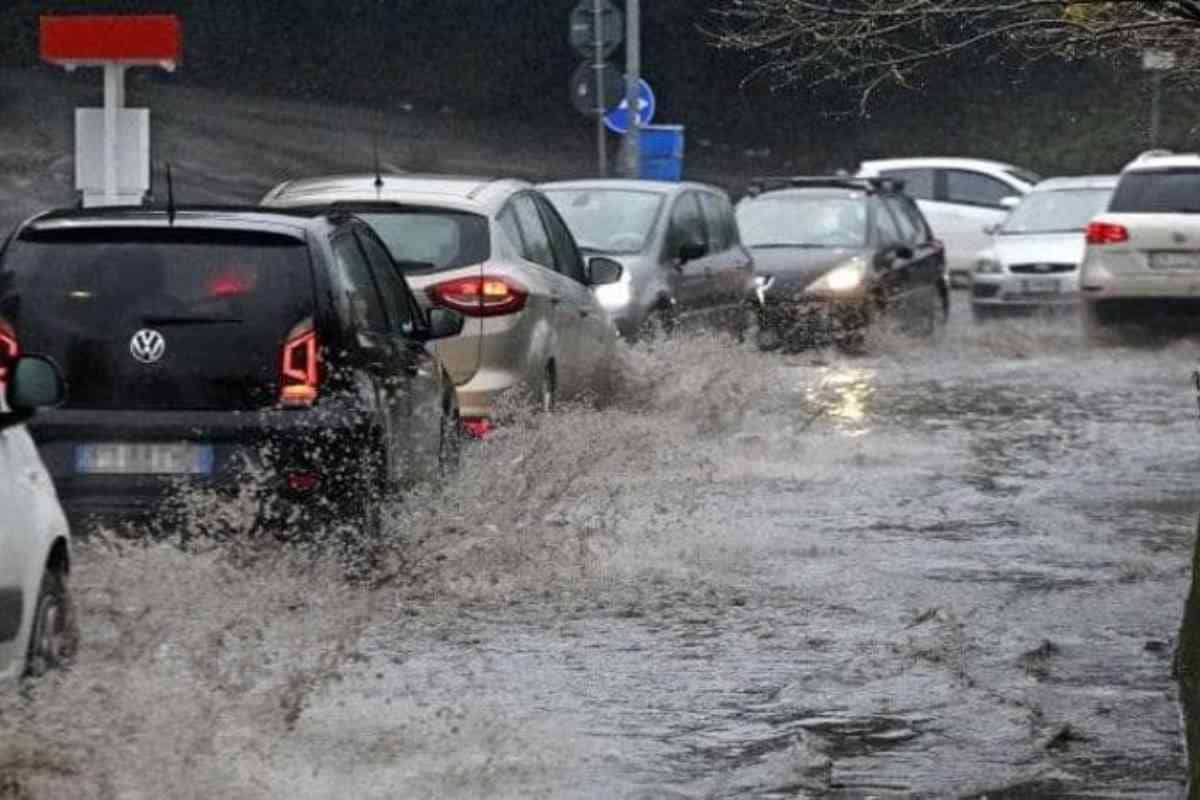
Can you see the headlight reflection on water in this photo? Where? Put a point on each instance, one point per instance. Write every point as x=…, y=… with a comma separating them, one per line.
x=844, y=396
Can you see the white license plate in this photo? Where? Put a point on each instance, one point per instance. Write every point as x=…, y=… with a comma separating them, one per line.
x=120, y=458
x=1178, y=261
x=1041, y=286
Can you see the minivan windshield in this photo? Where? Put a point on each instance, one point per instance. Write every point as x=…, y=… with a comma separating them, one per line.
x=432, y=239
x=803, y=220
x=1158, y=192
x=608, y=220
x=222, y=302
x=1062, y=211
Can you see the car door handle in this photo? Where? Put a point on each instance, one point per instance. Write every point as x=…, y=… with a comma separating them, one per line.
x=555, y=299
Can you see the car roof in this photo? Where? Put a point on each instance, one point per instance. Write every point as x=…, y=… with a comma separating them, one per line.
x=229, y=218
x=816, y=190
x=454, y=191
x=1162, y=159
x=938, y=161
x=629, y=185
x=1066, y=183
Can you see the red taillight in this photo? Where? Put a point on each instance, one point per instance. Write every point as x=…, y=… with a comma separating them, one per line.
x=1106, y=233
x=301, y=375
x=9, y=349
x=482, y=296
x=477, y=427
x=301, y=482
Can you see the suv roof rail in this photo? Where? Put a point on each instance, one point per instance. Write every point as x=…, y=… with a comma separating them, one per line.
x=1156, y=153
x=871, y=184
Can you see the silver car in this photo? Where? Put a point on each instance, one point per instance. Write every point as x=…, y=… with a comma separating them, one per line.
x=1034, y=257
x=498, y=253
x=678, y=242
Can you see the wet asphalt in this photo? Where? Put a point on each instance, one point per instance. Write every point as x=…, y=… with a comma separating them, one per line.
x=948, y=569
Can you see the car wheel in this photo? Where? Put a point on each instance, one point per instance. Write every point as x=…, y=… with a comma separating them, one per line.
x=450, y=444
x=548, y=391
x=54, y=638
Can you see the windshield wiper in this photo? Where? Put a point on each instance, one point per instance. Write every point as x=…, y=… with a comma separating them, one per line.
x=414, y=266
x=178, y=319
x=799, y=245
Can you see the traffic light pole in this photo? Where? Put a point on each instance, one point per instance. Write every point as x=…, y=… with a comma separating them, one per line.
x=598, y=65
x=633, y=77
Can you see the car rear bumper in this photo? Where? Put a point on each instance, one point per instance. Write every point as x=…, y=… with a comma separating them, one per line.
x=277, y=460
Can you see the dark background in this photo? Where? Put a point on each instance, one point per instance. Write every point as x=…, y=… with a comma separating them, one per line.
x=508, y=59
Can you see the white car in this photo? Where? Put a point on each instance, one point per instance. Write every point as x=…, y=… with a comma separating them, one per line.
x=1033, y=261
x=37, y=626
x=1143, y=253
x=959, y=197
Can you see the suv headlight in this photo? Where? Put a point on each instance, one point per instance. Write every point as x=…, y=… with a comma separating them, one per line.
x=988, y=266
x=844, y=278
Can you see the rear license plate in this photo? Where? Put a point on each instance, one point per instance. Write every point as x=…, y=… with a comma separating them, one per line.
x=120, y=458
x=1041, y=286
x=1175, y=261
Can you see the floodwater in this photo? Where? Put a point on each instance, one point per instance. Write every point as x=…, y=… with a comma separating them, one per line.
x=937, y=570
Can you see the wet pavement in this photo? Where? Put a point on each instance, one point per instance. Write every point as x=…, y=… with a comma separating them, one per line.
x=949, y=570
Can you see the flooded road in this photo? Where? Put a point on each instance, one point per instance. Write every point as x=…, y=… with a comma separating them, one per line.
x=938, y=570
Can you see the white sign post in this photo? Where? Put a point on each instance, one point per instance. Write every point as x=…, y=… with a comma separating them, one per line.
x=1156, y=62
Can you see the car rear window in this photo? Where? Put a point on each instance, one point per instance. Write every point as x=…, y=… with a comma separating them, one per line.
x=1158, y=192
x=222, y=302
x=423, y=240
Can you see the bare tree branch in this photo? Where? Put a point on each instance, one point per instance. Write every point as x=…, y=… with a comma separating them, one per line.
x=871, y=44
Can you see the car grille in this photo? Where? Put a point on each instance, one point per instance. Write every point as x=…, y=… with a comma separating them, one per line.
x=985, y=290
x=1040, y=269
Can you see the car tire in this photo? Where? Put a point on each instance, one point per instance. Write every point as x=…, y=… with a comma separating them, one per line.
x=55, y=637
x=450, y=441
x=547, y=393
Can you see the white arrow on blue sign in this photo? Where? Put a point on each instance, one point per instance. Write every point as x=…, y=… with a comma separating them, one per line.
x=617, y=120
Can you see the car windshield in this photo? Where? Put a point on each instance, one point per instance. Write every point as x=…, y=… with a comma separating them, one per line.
x=798, y=220
x=1063, y=211
x=1028, y=176
x=422, y=240
x=1158, y=192
x=608, y=220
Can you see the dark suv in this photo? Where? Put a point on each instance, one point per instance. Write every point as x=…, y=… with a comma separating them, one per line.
x=832, y=255
x=227, y=348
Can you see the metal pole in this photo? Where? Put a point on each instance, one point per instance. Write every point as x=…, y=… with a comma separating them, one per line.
x=598, y=66
x=114, y=99
x=633, y=78
x=1156, y=108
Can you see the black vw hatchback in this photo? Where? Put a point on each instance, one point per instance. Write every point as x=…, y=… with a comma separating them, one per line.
x=223, y=348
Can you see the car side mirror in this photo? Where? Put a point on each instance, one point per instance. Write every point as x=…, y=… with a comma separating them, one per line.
x=1010, y=202
x=603, y=271
x=443, y=324
x=33, y=382
x=690, y=251
x=903, y=252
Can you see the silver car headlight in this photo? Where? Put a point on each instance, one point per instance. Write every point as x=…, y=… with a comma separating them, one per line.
x=614, y=296
x=844, y=278
x=988, y=266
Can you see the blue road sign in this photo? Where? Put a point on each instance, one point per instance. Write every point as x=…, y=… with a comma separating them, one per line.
x=617, y=120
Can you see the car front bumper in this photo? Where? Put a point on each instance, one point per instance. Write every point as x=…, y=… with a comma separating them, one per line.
x=1025, y=291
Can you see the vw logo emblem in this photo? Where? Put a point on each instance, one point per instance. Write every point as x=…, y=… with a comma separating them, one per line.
x=148, y=346
x=1178, y=238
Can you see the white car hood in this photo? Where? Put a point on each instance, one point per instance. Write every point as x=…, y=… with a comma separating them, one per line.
x=1041, y=248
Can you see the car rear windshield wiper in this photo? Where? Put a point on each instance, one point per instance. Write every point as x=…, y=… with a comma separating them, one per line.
x=804, y=245
x=415, y=266
x=178, y=319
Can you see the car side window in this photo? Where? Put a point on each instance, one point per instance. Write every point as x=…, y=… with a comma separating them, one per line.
x=687, y=224
x=566, y=253
x=718, y=231
x=918, y=183
x=908, y=233
x=391, y=284
x=909, y=208
x=512, y=229
x=889, y=232
x=976, y=189
x=360, y=293
x=537, y=242
x=730, y=219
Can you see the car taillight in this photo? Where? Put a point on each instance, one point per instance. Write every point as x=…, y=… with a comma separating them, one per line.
x=9, y=348
x=477, y=427
x=1106, y=233
x=482, y=296
x=301, y=375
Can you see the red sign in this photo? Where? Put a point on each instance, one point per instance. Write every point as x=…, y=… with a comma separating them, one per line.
x=90, y=39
